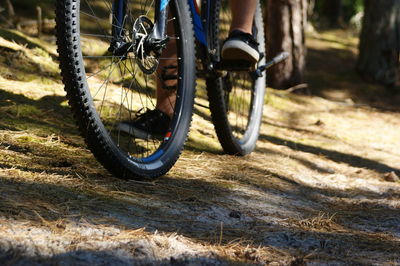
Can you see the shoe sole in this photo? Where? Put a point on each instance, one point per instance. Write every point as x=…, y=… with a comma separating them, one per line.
x=238, y=50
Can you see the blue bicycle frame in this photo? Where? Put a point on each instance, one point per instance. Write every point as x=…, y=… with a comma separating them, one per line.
x=200, y=20
x=201, y=24
x=198, y=17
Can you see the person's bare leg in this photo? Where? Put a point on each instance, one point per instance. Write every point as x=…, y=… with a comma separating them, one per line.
x=242, y=14
x=240, y=46
x=242, y=19
x=166, y=98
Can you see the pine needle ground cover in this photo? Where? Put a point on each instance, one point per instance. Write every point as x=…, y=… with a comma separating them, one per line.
x=322, y=186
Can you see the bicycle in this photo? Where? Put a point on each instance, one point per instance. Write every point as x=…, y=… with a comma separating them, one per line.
x=110, y=55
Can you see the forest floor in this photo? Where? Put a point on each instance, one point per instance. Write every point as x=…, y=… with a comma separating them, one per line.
x=322, y=186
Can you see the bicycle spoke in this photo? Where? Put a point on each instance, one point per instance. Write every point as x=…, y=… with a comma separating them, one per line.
x=98, y=72
x=98, y=20
x=93, y=16
x=136, y=89
x=114, y=87
x=109, y=37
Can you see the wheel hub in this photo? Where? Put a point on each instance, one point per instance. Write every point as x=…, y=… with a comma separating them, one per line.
x=146, y=57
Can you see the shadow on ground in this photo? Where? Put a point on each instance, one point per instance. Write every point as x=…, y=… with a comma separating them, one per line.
x=352, y=160
x=18, y=112
x=45, y=184
x=344, y=82
x=109, y=257
x=196, y=208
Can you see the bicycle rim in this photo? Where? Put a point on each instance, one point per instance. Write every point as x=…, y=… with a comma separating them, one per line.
x=236, y=99
x=119, y=88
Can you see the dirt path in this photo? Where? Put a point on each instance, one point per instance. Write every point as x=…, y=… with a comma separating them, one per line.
x=322, y=186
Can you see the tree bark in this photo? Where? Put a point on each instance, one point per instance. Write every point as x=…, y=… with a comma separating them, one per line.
x=285, y=22
x=11, y=12
x=379, y=48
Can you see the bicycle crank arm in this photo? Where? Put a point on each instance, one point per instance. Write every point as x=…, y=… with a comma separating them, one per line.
x=276, y=60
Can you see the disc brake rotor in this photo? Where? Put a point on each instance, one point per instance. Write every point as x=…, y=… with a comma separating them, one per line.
x=146, y=60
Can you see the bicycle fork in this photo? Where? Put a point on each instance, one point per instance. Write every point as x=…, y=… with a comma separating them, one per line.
x=155, y=41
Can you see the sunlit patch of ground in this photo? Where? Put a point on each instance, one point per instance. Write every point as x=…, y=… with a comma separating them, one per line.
x=321, y=186
x=331, y=72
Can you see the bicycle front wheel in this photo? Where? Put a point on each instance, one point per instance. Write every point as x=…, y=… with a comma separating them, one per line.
x=236, y=99
x=106, y=88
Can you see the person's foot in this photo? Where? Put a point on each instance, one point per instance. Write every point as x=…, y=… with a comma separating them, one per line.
x=153, y=124
x=240, y=47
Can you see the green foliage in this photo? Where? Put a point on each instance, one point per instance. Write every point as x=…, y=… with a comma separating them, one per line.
x=348, y=8
x=351, y=8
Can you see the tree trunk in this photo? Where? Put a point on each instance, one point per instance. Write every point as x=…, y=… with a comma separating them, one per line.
x=11, y=12
x=311, y=7
x=285, y=22
x=11, y=18
x=379, y=49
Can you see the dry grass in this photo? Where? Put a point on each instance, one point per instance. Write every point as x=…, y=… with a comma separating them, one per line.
x=314, y=191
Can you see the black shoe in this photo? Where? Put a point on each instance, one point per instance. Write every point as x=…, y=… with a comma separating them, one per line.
x=240, y=47
x=153, y=124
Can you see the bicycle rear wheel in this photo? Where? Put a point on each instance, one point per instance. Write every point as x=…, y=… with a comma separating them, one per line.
x=107, y=88
x=236, y=100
